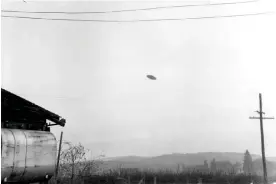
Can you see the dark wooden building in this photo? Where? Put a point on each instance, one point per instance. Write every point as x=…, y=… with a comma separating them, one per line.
x=19, y=113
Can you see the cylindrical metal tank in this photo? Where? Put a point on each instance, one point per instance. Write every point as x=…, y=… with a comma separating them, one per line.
x=27, y=156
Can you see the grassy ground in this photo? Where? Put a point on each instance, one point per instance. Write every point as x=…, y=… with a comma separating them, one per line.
x=173, y=178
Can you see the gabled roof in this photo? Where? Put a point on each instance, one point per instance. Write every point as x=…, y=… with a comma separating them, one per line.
x=16, y=108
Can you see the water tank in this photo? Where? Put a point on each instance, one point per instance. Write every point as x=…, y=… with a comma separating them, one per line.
x=27, y=155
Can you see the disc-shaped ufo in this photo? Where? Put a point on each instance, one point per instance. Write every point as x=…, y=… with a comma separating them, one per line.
x=151, y=77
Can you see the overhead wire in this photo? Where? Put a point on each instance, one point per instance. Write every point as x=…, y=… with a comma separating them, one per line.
x=137, y=20
x=130, y=10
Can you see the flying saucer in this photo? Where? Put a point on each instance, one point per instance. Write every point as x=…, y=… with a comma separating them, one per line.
x=151, y=77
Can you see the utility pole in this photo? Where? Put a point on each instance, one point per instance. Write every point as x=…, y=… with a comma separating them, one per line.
x=261, y=113
x=60, y=142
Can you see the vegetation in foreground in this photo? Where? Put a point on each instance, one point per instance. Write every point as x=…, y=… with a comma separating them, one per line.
x=169, y=178
x=75, y=168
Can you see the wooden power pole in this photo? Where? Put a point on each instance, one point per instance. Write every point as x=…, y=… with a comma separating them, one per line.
x=60, y=142
x=261, y=118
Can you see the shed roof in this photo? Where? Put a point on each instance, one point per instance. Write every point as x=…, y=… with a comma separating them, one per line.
x=16, y=108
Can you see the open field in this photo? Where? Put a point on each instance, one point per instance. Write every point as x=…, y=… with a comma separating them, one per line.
x=168, y=178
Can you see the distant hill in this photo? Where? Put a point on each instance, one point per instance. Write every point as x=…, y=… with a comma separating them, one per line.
x=127, y=158
x=171, y=161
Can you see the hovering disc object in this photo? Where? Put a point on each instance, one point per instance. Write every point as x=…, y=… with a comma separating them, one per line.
x=151, y=77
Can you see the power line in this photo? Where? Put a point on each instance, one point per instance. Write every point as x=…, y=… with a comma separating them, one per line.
x=137, y=20
x=130, y=10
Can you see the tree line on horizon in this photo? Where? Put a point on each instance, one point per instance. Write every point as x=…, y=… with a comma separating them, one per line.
x=75, y=166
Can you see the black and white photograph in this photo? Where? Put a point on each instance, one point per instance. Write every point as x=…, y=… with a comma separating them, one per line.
x=138, y=92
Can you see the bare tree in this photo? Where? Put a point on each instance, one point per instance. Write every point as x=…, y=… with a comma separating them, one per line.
x=74, y=162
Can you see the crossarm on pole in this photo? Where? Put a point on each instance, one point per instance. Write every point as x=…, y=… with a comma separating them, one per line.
x=262, y=117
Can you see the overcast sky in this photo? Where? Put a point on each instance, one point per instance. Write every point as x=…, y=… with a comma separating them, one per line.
x=209, y=72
